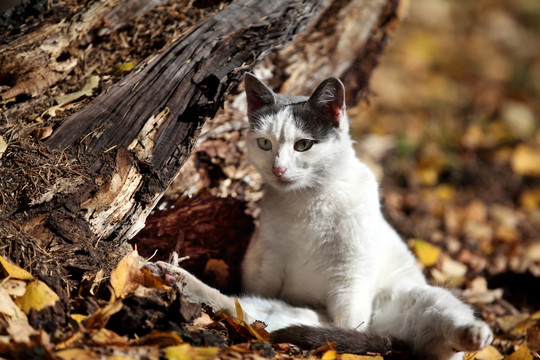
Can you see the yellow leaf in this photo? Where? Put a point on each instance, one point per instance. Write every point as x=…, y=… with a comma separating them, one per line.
x=427, y=253
x=360, y=357
x=123, y=68
x=13, y=271
x=488, y=353
x=530, y=199
x=77, y=354
x=188, y=352
x=108, y=337
x=78, y=317
x=38, y=296
x=445, y=192
x=526, y=161
x=239, y=312
x=330, y=355
x=522, y=353
x=127, y=276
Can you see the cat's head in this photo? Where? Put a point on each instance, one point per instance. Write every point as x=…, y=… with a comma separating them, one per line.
x=296, y=142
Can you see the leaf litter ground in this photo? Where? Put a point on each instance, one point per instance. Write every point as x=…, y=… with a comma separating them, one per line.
x=453, y=134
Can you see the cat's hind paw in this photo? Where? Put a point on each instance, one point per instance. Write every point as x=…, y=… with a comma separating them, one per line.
x=474, y=337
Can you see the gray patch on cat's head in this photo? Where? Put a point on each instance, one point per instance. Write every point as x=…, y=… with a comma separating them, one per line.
x=318, y=115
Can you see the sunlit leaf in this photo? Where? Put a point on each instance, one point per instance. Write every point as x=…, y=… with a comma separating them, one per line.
x=106, y=337
x=329, y=355
x=127, y=276
x=526, y=160
x=8, y=308
x=38, y=296
x=188, y=352
x=76, y=354
x=427, y=253
x=530, y=199
x=522, y=353
x=488, y=353
x=13, y=271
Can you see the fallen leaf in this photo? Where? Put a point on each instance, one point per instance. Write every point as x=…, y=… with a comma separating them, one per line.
x=20, y=331
x=522, y=353
x=488, y=353
x=13, y=287
x=427, y=253
x=329, y=355
x=360, y=357
x=77, y=354
x=13, y=271
x=8, y=308
x=66, y=99
x=98, y=319
x=3, y=146
x=38, y=296
x=127, y=276
x=188, y=352
x=124, y=68
x=106, y=337
x=530, y=199
x=526, y=161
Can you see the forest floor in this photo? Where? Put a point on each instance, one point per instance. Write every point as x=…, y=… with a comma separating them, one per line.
x=452, y=131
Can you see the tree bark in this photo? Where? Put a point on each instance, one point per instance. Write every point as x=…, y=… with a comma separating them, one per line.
x=121, y=152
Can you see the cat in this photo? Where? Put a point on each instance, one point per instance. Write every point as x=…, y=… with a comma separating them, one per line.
x=323, y=259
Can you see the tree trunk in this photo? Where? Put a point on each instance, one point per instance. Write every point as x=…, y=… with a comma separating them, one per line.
x=110, y=162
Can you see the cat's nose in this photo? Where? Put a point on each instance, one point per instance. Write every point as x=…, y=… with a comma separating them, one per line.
x=279, y=171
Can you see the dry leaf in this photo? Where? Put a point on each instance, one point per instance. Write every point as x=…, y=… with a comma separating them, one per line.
x=14, y=288
x=522, y=353
x=329, y=355
x=20, y=331
x=8, y=308
x=13, y=271
x=38, y=296
x=3, y=146
x=106, y=337
x=77, y=354
x=526, y=161
x=66, y=99
x=427, y=253
x=127, y=276
x=360, y=357
x=98, y=319
x=530, y=199
x=188, y=352
x=488, y=353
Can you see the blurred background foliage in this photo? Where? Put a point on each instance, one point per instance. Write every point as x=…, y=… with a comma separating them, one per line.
x=453, y=130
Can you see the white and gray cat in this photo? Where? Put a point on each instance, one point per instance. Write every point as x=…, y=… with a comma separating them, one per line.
x=323, y=254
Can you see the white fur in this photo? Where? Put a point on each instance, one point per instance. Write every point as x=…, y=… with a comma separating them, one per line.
x=323, y=242
x=324, y=249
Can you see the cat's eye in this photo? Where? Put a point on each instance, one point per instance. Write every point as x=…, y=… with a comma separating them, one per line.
x=264, y=143
x=303, y=145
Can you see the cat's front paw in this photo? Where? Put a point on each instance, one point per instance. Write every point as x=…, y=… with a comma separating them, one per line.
x=475, y=337
x=168, y=273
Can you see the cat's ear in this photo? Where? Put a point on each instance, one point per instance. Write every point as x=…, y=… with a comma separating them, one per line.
x=329, y=99
x=257, y=93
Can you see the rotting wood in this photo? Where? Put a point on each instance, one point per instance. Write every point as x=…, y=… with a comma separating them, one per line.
x=134, y=138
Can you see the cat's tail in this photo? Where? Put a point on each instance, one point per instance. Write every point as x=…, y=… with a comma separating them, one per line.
x=346, y=340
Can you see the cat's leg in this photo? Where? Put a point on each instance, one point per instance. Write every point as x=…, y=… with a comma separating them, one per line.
x=431, y=319
x=195, y=290
x=261, y=269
